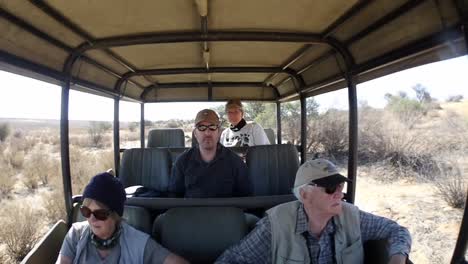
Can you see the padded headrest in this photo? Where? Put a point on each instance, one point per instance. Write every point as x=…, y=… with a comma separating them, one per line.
x=166, y=137
x=200, y=234
x=147, y=167
x=272, y=168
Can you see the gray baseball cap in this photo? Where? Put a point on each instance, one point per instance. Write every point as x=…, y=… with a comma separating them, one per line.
x=319, y=171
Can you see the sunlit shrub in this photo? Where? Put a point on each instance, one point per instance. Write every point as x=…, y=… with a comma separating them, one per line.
x=15, y=158
x=383, y=138
x=328, y=134
x=96, y=132
x=40, y=166
x=105, y=161
x=7, y=178
x=54, y=205
x=20, y=229
x=455, y=98
x=4, y=258
x=4, y=131
x=450, y=184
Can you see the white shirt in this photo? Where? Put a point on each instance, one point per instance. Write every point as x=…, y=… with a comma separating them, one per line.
x=251, y=134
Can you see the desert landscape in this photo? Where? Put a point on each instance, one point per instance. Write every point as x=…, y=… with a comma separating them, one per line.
x=413, y=168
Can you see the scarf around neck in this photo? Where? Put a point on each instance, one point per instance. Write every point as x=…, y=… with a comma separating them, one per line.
x=109, y=243
x=239, y=125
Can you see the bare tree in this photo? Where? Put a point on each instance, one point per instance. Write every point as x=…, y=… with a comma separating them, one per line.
x=96, y=131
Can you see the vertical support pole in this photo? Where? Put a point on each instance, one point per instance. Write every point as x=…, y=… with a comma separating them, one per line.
x=462, y=240
x=461, y=246
x=116, y=136
x=142, y=125
x=303, y=127
x=353, y=137
x=65, y=151
x=278, y=122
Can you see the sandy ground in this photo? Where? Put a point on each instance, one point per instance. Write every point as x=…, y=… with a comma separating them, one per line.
x=433, y=224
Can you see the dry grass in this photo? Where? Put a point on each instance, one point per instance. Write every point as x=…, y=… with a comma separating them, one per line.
x=105, y=161
x=39, y=168
x=82, y=168
x=433, y=224
x=404, y=152
x=4, y=258
x=459, y=107
x=15, y=158
x=451, y=185
x=328, y=134
x=86, y=164
x=20, y=229
x=55, y=205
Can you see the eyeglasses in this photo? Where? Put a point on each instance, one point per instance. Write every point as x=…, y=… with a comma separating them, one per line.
x=99, y=214
x=210, y=127
x=328, y=189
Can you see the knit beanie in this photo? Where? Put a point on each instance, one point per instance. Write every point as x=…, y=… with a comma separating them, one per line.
x=107, y=189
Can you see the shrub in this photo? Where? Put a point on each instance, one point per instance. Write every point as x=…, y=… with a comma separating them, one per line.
x=96, y=131
x=4, y=131
x=132, y=126
x=4, y=258
x=40, y=167
x=450, y=184
x=7, y=178
x=422, y=94
x=19, y=229
x=105, y=161
x=455, y=98
x=408, y=111
x=328, y=134
x=54, y=204
x=15, y=158
x=384, y=139
x=83, y=167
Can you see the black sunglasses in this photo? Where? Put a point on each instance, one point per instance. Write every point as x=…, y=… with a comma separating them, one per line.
x=203, y=127
x=329, y=189
x=100, y=214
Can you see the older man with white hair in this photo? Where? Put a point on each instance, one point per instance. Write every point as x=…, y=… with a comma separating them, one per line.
x=319, y=227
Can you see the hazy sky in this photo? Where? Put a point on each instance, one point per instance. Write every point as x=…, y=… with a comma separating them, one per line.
x=22, y=97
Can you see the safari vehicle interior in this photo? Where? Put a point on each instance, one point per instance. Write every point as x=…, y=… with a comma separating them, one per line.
x=154, y=51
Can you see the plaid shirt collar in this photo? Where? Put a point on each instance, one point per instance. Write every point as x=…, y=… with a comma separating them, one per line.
x=302, y=223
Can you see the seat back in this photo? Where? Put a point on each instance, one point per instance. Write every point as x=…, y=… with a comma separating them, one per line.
x=166, y=137
x=139, y=218
x=270, y=135
x=272, y=168
x=48, y=248
x=200, y=234
x=149, y=167
x=175, y=153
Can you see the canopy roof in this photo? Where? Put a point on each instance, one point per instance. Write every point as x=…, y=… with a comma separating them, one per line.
x=203, y=50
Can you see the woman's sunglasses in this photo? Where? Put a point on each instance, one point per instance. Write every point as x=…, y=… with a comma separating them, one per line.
x=203, y=127
x=329, y=189
x=99, y=214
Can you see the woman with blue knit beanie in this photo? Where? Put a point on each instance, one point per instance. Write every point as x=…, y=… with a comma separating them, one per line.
x=105, y=237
